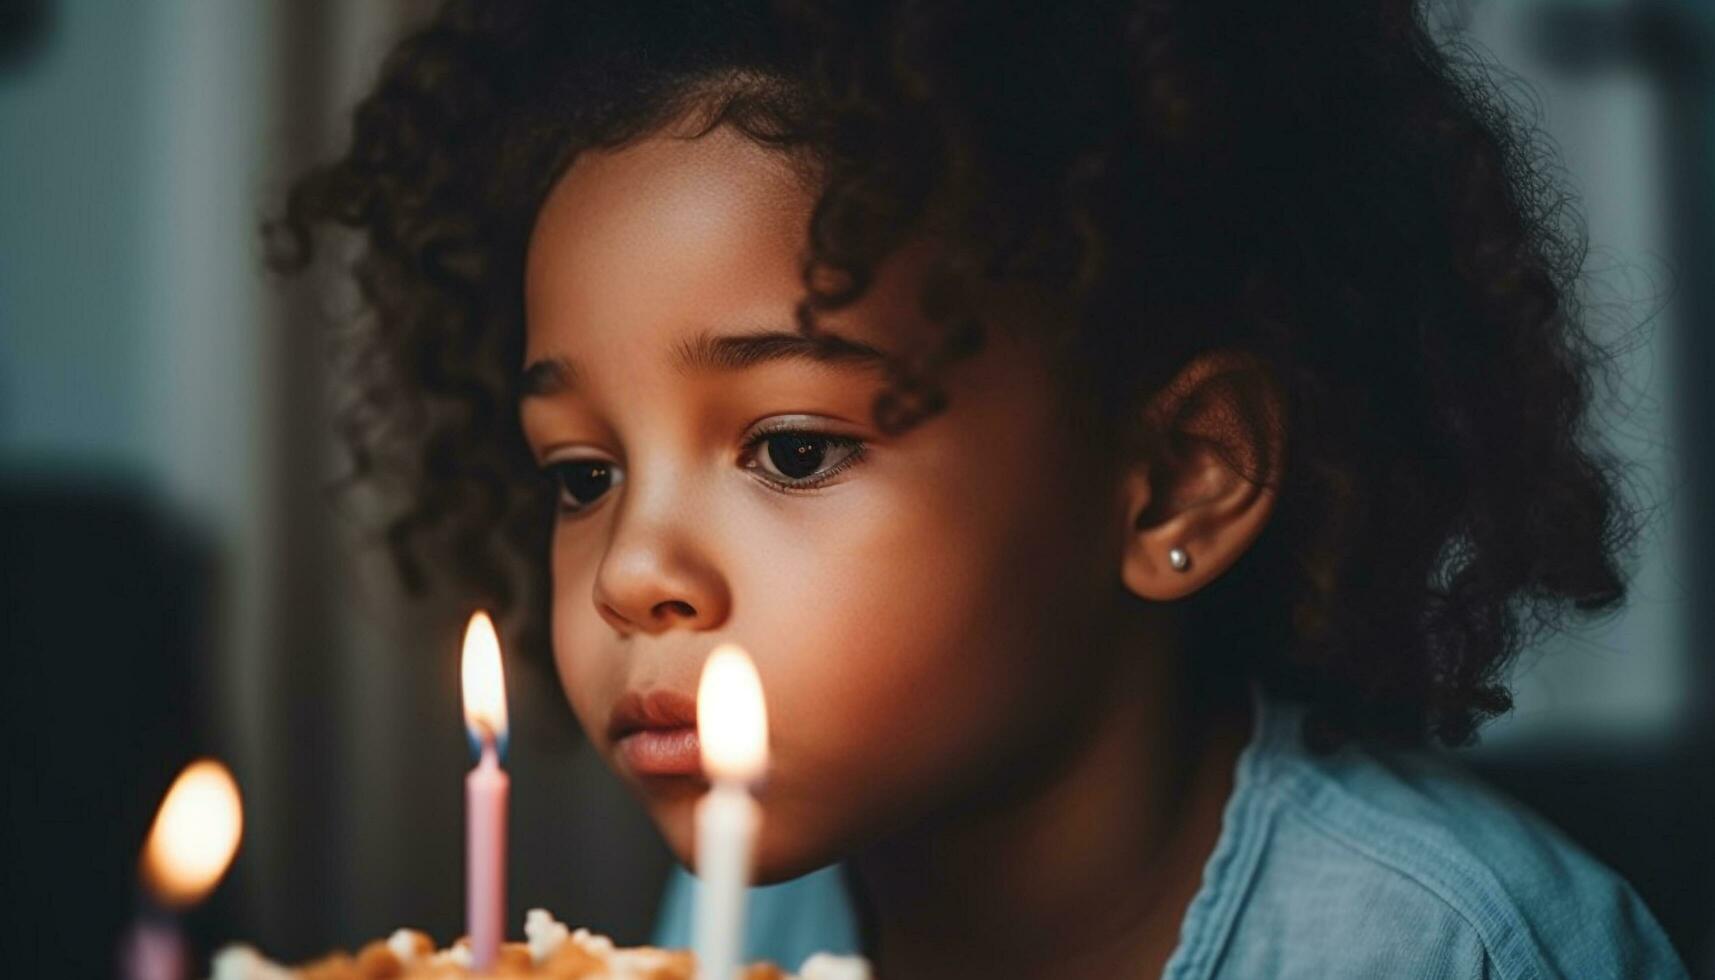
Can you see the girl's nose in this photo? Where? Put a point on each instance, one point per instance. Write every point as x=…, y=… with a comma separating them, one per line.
x=655, y=577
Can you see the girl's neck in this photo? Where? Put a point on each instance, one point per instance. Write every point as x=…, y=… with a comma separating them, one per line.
x=1089, y=874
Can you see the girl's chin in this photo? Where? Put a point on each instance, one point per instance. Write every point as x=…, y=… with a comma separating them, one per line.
x=782, y=852
x=771, y=868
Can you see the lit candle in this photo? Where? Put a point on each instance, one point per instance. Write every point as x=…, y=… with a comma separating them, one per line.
x=485, y=792
x=732, y=728
x=189, y=848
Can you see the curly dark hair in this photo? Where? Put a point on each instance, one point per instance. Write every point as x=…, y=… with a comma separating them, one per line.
x=1323, y=186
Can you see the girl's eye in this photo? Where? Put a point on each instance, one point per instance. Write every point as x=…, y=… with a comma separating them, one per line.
x=581, y=482
x=788, y=459
x=797, y=459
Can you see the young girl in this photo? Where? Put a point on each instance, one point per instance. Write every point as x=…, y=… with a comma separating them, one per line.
x=1123, y=434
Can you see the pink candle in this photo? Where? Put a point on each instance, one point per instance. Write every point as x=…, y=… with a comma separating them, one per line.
x=485, y=793
x=153, y=951
x=486, y=790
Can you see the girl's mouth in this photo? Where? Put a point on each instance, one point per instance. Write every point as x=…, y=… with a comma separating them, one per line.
x=655, y=733
x=662, y=751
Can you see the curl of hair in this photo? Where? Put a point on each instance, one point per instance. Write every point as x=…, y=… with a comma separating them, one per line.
x=1321, y=186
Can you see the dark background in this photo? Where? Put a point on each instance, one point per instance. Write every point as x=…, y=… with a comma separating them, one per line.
x=176, y=583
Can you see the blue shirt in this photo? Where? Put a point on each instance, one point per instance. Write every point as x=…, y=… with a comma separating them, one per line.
x=1369, y=862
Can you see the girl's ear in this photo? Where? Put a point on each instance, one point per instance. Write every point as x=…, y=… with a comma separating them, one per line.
x=1202, y=484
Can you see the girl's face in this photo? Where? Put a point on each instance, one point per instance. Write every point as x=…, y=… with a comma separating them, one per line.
x=924, y=611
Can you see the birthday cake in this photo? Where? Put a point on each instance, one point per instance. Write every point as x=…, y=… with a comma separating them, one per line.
x=550, y=950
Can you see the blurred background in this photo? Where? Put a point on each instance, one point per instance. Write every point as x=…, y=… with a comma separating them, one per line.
x=178, y=583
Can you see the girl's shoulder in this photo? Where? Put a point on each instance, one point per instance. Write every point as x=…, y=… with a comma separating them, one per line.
x=1381, y=862
x=1364, y=863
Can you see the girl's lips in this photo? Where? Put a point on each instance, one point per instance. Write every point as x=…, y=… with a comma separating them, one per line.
x=662, y=751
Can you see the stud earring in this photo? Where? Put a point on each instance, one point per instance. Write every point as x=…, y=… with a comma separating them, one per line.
x=1179, y=559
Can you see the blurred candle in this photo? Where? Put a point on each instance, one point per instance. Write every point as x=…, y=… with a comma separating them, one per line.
x=486, y=790
x=732, y=727
x=190, y=846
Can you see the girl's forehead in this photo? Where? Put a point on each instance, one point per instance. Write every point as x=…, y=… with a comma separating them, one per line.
x=660, y=230
x=667, y=236
x=670, y=190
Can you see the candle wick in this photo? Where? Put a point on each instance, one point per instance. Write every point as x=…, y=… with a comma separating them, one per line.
x=484, y=740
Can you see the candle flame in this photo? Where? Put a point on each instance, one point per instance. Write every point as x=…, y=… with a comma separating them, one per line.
x=732, y=718
x=194, y=836
x=484, y=682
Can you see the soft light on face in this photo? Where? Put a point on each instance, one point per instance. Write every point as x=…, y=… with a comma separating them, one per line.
x=919, y=609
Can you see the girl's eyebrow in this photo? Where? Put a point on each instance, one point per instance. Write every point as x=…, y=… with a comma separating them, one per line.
x=708, y=353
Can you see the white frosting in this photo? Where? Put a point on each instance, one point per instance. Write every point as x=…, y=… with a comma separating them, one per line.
x=241, y=962
x=622, y=964
x=635, y=964
x=544, y=933
x=458, y=955
x=403, y=944
x=592, y=943
x=827, y=966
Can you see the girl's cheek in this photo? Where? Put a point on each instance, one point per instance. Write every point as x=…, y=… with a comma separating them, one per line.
x=944, y=656
x=915, y=659
x=575, y=638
